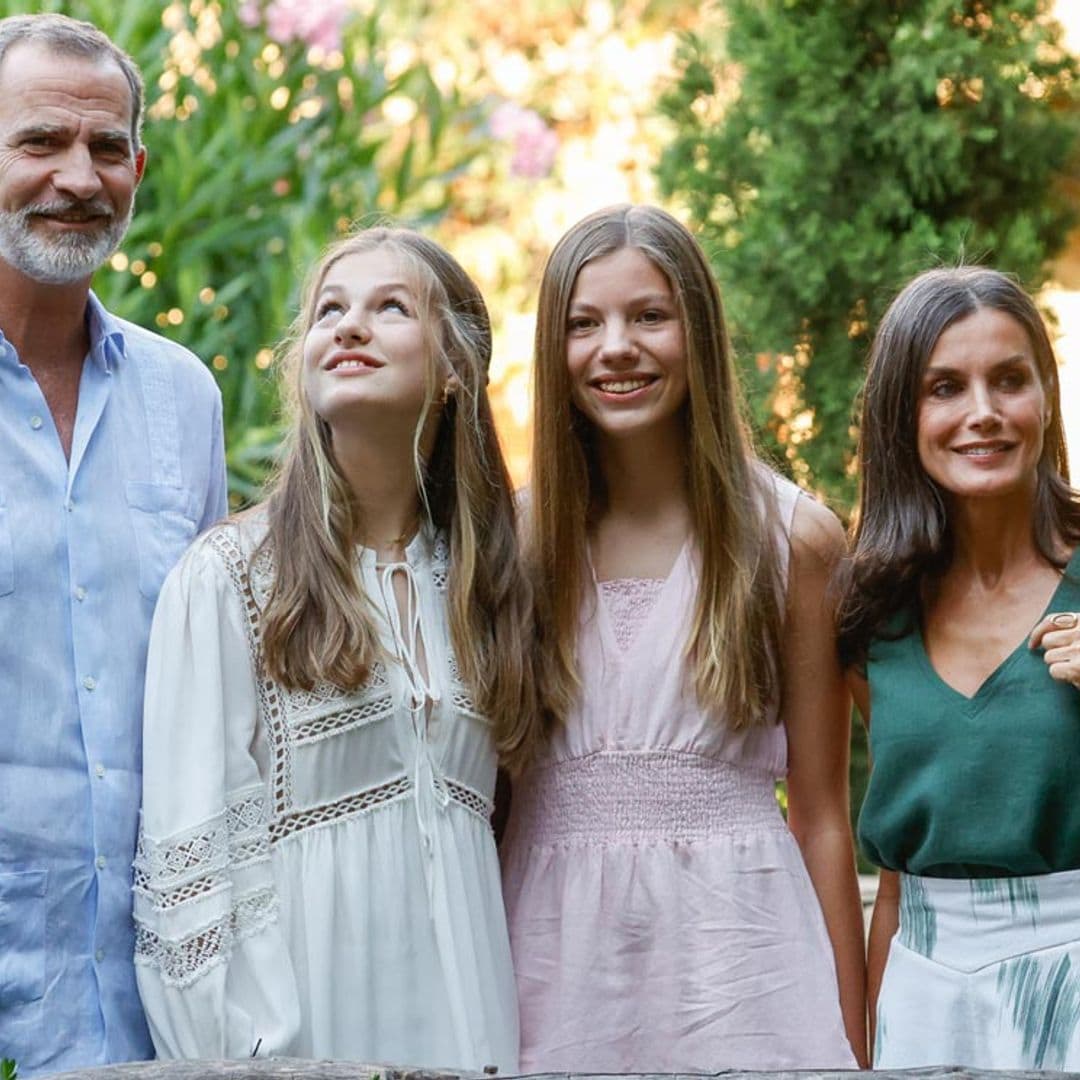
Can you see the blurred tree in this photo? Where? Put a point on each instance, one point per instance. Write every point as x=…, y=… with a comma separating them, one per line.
x=829, y=149
x=571, y=92
x=274, y=123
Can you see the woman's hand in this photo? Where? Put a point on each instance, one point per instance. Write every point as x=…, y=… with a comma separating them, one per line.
x=1059, y=635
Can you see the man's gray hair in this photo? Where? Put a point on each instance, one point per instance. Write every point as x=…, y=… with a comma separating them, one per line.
x=73, y=37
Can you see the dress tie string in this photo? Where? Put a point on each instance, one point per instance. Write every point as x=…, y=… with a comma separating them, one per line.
x=430, y=792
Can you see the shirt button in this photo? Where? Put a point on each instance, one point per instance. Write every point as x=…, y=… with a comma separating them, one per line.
x=99, y=955
x=69, y=506
x=89, y=683
x=80, y=594
x=99, y=770
x=99, y=862
x=36, y=422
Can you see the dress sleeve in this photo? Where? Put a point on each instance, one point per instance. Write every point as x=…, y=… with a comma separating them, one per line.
x=213, y=970
x=217, y=494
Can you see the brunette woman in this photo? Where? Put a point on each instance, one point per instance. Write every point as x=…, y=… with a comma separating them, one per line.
x=664, y=917
x=330, y=678
x=957, y=623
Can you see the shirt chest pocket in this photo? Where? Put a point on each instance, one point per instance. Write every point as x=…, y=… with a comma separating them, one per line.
x=7, y=552
x=22, y=932
x=163, y=529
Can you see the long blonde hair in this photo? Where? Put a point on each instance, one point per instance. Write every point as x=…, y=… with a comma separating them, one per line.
x=735, y=633
x=317, y=624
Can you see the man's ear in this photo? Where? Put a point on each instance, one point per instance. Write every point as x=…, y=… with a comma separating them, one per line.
x=140, y=165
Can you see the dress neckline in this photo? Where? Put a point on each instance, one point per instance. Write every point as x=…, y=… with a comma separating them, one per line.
x=972, y=701
x=661, y=599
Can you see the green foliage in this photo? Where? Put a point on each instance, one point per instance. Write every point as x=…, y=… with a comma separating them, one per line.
x=866, y=140
x=8, y=1069
x=259, y=153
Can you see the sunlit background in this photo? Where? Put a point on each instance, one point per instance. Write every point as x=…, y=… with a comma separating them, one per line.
x=273, y=123
x=611, y=73
x=1062, y=297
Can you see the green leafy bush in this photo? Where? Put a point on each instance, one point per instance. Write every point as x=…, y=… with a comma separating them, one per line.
x=829, y=149
x=270, y=129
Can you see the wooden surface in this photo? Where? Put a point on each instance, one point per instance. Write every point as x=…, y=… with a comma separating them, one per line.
x=259, y=1069
x=298, y=1069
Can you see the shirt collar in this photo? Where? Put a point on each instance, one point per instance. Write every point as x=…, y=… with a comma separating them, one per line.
x=106, y=335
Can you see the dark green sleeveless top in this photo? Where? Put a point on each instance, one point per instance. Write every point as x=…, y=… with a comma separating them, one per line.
x=987, y=786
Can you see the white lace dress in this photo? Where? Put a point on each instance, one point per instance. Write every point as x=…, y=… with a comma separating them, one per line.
x=316, y=873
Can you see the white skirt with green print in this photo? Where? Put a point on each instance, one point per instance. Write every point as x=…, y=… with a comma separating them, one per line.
x=984, y=973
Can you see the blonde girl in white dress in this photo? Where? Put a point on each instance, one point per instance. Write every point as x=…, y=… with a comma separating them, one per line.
x=330, y=679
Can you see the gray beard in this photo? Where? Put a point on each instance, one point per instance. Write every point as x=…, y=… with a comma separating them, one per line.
x=58, y=260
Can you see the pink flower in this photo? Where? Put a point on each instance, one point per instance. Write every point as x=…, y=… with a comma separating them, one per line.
x=535, y=144
x=250, y=13
x=506, y=119
x=317, y=23
x=534, y=153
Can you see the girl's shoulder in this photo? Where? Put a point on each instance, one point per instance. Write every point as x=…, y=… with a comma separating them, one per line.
x=813, y=530
x=817, y=531
x=226, y=551
x=240, y=533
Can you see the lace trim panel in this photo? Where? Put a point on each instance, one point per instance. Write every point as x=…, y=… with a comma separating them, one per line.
x=342, y=720
x=195, y=862
x=249, y=840
x=372, y=799
x=471, y=800
x=247, y=580
x=460, y=696
x=163, y=866
x=325, y=697
x=182, y=962
x=294, y=717
x=327, y=813
x=440, y=563
x=325, y=694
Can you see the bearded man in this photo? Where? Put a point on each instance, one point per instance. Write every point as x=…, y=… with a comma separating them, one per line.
x=111, y=461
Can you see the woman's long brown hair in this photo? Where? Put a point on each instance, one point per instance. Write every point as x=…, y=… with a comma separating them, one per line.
x=902, y=532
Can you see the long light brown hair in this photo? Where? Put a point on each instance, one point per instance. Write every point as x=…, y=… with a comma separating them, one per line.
x=902, y=533
x=735, y=632
x=317, y=624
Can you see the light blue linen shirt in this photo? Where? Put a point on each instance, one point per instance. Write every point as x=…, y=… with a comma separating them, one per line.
x=84, y=547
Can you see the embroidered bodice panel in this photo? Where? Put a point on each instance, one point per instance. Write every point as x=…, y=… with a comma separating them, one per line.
x=302, y=727
x=629, y=601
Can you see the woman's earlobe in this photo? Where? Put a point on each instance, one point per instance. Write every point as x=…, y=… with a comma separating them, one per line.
x=450, y=388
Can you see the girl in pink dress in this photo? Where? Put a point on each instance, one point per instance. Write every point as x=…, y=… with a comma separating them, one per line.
x=663, y=915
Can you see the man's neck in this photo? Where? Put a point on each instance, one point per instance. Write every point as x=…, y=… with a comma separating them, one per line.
x=46, y=324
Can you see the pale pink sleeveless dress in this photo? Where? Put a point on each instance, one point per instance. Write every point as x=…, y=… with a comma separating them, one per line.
x=661, y=917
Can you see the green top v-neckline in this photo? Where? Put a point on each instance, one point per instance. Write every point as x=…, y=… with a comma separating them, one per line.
x=972, y=701
x=979, y=786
